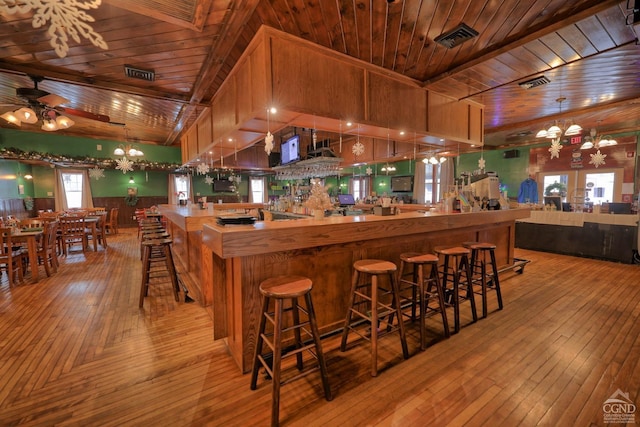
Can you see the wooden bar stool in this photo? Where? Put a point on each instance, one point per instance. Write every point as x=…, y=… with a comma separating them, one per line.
x=456, y=263
x=366, y=303
x=479, y=251
x=424, y=289
x=280, y=289
x=157, y=252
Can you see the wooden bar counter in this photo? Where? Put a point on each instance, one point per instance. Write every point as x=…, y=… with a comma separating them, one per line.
x=185, y=223
x=237, y=258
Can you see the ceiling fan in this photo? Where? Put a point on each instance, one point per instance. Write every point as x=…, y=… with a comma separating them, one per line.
x=45, y=106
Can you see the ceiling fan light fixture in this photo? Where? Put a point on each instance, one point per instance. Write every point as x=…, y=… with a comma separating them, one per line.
x=443, y=159
x=118, y=151
x=64, y=122
x=433, y=160
x=49, y=125
x=26, y=115
x=11, y=118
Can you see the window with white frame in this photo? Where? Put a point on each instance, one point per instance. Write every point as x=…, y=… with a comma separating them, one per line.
x=359, y=188
x=431, y=183
x=181, y=183
x=72, y=182
x=257, y=189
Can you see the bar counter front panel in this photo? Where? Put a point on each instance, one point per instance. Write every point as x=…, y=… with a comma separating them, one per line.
x=240, y=257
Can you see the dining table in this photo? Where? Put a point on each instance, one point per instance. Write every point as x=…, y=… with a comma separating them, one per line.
x=30, y=236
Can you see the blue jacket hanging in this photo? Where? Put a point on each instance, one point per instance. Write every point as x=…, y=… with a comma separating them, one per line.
x=528, y=191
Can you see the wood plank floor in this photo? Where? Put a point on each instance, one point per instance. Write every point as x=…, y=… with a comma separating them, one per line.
x=75, y=349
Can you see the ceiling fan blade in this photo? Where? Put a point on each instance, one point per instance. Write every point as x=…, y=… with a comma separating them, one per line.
x=85, y=114
x=53, y=100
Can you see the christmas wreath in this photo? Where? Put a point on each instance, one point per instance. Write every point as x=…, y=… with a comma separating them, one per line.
x=131, y=200
x=556, y=187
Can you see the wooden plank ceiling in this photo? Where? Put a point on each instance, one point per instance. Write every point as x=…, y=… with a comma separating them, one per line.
x=584, y=48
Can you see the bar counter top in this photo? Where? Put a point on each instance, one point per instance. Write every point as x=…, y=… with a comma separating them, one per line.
x=282, y=235
x=191, y=217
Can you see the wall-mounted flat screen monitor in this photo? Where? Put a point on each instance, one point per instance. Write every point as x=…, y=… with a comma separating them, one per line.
x=401, y=184
x=223, y=186
x=290, y=150
x=346, y=200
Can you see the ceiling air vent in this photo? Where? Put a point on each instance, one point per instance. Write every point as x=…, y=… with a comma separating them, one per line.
x=457, y=36
x=535, y=82
x=138, y=73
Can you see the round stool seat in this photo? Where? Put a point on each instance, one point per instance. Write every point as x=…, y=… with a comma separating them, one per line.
x=374, y=266
x=481, y=246
x=417, y=258
x=286, y=286
x=456, y=250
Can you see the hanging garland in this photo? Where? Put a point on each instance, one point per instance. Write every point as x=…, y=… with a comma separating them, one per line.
x=13, y=153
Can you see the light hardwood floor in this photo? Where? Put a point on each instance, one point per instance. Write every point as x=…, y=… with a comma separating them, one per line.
x=75, y=349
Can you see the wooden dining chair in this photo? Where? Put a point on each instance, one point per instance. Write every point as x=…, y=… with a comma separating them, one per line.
x=101, y=234
x=111, y=224
x=72, y=232
x=32, y=223
x=47, y=248
x=11, y=257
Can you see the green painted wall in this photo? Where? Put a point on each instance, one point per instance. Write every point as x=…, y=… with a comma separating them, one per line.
x=114, y=183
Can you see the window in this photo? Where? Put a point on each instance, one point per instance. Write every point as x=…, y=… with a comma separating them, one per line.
x=359, y=188
x=72, y=189
x=601, y=186
x=558, y=179
x=182, y=186
x=257, y=189
x=431, y=183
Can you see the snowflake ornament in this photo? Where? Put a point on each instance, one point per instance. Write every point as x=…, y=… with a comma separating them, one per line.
x=96, y=173
x=125, y=165
x=555, y=148
x=268, y=143
x=203, y=169
x=369, y=171
x=67, y=20
x=481, y=163
x=358, y=148
x=208, y=180
x=597, y=159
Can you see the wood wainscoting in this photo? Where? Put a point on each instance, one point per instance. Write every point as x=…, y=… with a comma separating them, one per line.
x=76, y=350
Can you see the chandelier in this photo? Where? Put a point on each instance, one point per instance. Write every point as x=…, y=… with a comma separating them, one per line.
x=128, y=150
x=51, y=119
x=556, y=130
x=388, y=168
x=597, y=141
x=433, y=160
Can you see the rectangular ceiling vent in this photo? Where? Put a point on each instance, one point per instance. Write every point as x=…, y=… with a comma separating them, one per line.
x=138, y=73
x=535, y=82
x=457, y=36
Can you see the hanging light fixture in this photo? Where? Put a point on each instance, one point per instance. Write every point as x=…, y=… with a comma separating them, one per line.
x=388, y=168
x=555, y=131
x=597, y=141
x=128, y=150
x=51, y=119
